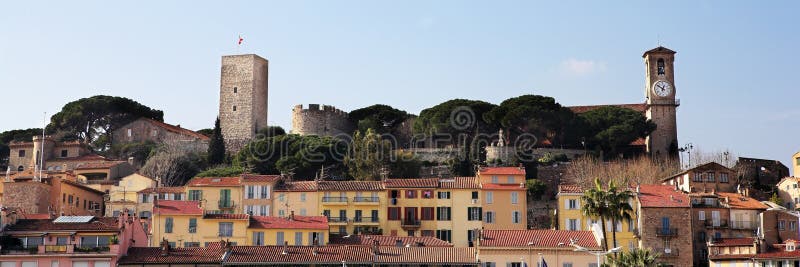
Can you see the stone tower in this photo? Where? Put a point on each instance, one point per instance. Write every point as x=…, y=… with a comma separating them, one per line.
x=243, y=92
x=661, y=101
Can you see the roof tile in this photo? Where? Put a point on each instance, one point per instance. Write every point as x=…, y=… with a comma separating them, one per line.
x=214, y=181
x=502, y=170
x=541, y=238
x=662, y=196
x=178, y=207
x=298, y=222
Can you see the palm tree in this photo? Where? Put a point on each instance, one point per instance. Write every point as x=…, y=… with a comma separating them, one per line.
x=619, y=207
x=595, y=206
x=634, y=258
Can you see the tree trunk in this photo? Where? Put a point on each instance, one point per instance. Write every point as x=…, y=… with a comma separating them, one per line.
x=614, y=234
x=605, y=240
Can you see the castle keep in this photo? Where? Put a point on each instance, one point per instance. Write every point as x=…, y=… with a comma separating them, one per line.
x=322, y=120
x=243, y=91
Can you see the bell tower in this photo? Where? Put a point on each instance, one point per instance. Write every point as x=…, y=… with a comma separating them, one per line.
x=661, y=102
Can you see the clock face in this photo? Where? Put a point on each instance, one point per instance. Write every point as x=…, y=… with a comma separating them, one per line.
x=662, y=88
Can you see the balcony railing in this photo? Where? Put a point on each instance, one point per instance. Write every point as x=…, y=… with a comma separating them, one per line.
x=666, y=231
x=747, y=225
x=366, y=199
x=705, y=205
x=365, y=219
x=710, y=223
x=337, y=219
x=55, y=248
x=90, y=249
x=411, y=223
x=334, y=199
x=226, y=204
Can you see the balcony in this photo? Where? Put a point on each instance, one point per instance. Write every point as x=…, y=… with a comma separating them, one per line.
x=334, y=200
x=666, y=231
x=366, y=200
x=366, y=220
x=705, y=205
x=56, y=248
x=92, y=249
x=226, y=204
x=743, y=225
x=337, y=220
x=673, y=252
x=716, y=224
x=411, y=224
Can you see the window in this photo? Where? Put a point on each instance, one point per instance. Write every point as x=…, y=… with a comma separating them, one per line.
x=781, y=225
x=572, y=204
x=427, y=213
x=443, y=195
x=168, y=225
x=443, y=213
x=510, y=179
x=302, y=197
x=195, y=195
x=282, y=197
x=427, y=194
x=445, y=235
x=489, y=217
x=723, y=177
x=495, y=180
x=234, y=108
x=573, y=225
x=394, y=194
x=20, y=168
x=69, y=198
x=279, y=238
x=64, y=153
x=265, y=192
x=474, y=214
x=191, y=244
x=298, y=238
x=660, y=66
x=21, y=153
x=698, y=177
x=710, y=177
x=394, y=213
x=411, y=193
x=251, y=194
x=192, y=225
x=302, y=212
x=130, y=132
x=235, y=90
x=701, y=215
x=226, y=229
x=374, y=215
x=516, y=217
x=567, y=264
x=792, y=225
x=489, y=197
x=474, y=194
x=514, y=197
x=264, y=211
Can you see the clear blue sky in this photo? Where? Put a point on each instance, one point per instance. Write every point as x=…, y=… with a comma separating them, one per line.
x=735, y=65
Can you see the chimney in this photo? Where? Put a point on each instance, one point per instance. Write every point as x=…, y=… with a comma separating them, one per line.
x=131, y=160
x=375, y=250
x=285, y=248
x=315, y=246
x=291, y=215
x=398, y=243
x=228, y=247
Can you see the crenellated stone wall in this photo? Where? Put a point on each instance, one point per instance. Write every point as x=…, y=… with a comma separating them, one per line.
x=322, y=120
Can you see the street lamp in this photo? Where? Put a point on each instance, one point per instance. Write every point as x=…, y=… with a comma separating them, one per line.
x=596, y=253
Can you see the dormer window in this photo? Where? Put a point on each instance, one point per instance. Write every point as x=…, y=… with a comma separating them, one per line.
x=790, y=246
x=660, y=66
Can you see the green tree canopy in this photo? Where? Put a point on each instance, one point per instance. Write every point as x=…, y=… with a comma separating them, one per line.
x=14, y=135
x=291, y=153
x=367, y=156
x=609, y=128
x=271, y=131
x=216, y=146
x=91, y=118
x=381, y=118
x=538, y=115
x=454, y=117
x=634, y=258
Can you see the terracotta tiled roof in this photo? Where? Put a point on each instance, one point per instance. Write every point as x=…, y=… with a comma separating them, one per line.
x=779, y=255
x=737, y=201
x=257, y=178
x=502, y=170
x=176, y=129
x=731, y=256
x=350, y=254
x=37, y=216
x=459, y=183
x=640, y=107
x=412, y=183
x=171, y=189
x=178, y=207
x=350, y=186
x=99, y=165
x=659, y=49
x=101, y=224
x=214, y=181
x=152, y=255
x=390, y=241
x=87, y=157
x=540, y=238
x=299, y=186
x=724, y=242
x=427, y=255
x=299, y=222
x=510, y=187
x=662, y=196
x=569, y=189
x=226, y=216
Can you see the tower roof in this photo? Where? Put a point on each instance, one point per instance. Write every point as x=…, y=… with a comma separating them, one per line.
x=659, y=50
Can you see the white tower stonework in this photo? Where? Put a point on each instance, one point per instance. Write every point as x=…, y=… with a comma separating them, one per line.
x=243, y=95
x=661, y=102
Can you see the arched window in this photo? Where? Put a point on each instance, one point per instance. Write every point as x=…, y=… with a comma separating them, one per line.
x=660, y=65
x=20, y=168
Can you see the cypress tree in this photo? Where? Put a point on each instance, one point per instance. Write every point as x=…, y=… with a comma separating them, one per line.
x=216, y=148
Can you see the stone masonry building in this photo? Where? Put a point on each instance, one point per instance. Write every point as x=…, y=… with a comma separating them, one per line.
x=321, y=120
x=243, y=98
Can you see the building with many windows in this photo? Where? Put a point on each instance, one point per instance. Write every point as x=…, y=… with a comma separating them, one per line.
x=216, y=194
x=571, y=218
x=292, y=230
x=353, y=206
x=503, y=196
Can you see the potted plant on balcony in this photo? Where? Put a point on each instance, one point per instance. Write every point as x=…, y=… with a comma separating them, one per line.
x=114, y=240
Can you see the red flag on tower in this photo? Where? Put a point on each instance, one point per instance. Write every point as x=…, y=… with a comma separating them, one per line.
x=240, y=39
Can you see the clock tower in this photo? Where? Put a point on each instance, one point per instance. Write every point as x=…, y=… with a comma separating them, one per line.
x=661, y=101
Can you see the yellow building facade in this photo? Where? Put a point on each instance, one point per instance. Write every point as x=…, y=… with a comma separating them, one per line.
x=570, y=218
x=301, y=197
x=352, y=206
x=123, y=194
x=504, y=198
x=184, y=224
x=293, y=230
x=216, y=194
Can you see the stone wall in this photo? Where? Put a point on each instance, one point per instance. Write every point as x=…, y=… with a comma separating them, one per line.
x=242, y=98
x=681, y=243
x=143, y=130
x=31, y=197
x=321, y=120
